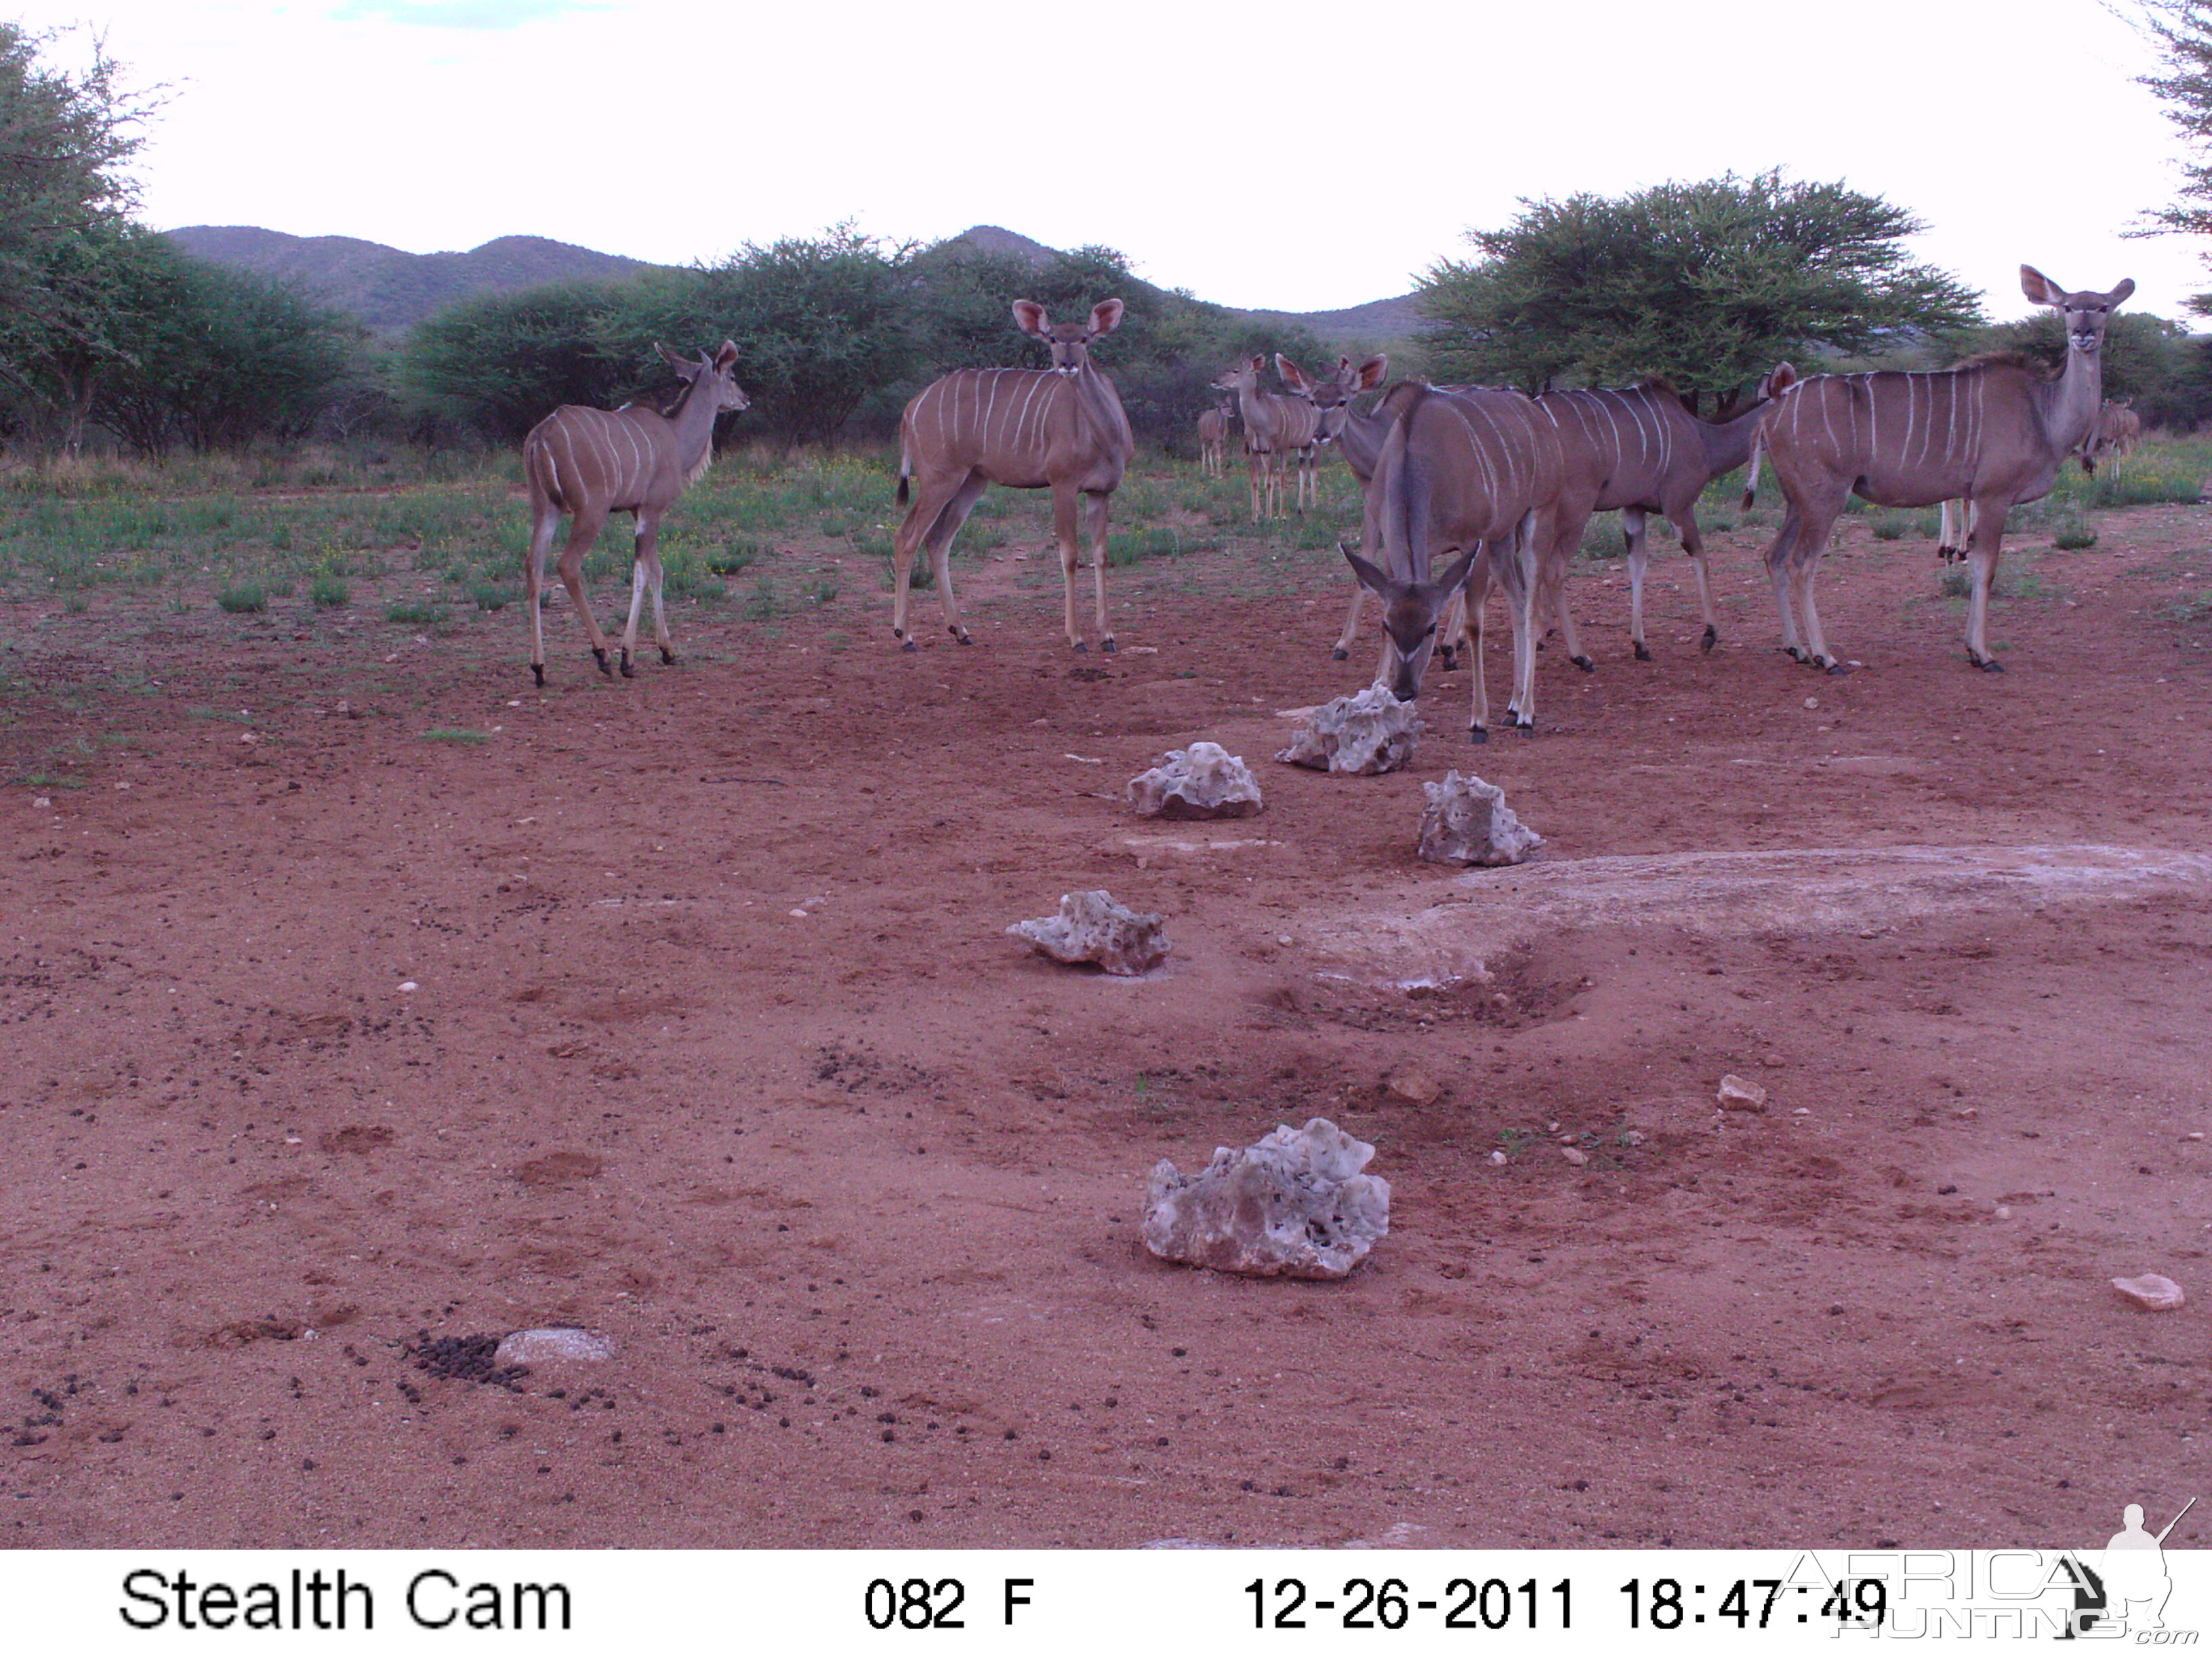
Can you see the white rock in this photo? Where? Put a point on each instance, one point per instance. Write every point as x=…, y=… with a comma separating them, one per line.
x=1202, y=781
x=1574, y=1155
x=1499, y=1158
x=550, y=1343
x=1413, y=1086
x=2152, y=1291
x=1092, y=927
x=1293, y=1205
x=1368, y=733
x=1737, y=1095
x=1467, y=822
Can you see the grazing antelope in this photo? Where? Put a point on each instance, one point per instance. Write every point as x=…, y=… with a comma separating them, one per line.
x=1992, y=432
x=1212, y=438
x=1464, y=472
x=588, y=462
x=1060, y=428
x=1641, y=452
x=1275, y=427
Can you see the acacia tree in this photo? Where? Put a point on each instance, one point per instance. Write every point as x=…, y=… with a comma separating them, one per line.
x=1707, y=283
x=65, y=202
x=2183, y=30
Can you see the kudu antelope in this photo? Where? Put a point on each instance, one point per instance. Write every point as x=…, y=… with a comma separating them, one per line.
x=1993, y=432
x=1060, y=428
x=1212, y=440
x=1639, y=451
x=588, y=462
x=1277, y=428
x=1465, y=473
x=2113, y=438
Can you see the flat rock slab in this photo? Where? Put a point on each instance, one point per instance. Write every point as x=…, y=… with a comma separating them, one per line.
x=1474, y=918
x=1292, y=1206
x=1092, y=928
x=1202, y=781
x=551, y=1343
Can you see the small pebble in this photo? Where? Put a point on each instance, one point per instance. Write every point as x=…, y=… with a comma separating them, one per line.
x=1283, y=939
x=1574, y=1155
x=407, y=985
x=42, y=800
x=1738, y=1096
x=1497, y=1158
x=1812, y=702
x=2152, y=1291
x=2004, y=1211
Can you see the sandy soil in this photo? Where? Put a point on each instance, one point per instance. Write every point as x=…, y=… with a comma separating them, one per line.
x=717, y=1046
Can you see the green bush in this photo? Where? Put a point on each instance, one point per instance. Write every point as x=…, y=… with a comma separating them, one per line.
x=415, y=616
x=2073, y=533
x=733, y=558
x=245, y=598
x=492, y=596
x=329, y=591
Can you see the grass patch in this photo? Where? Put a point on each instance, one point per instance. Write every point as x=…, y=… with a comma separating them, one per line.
x=2073, y=533
x=245, y=599
x=328, y=592
x=732, y=559
x=456, y=734
x=415, y=616
x=492, y=596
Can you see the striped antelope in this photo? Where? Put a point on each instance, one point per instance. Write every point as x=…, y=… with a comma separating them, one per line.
x=1992, y=432
x=1466, y=473
x=1277, y=429
x=588, y=462
x=1641, y=452
x=1060, y=428
x=2113, y=438
x=1212, y=438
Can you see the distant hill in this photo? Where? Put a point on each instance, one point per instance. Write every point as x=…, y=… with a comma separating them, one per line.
x=389, y=289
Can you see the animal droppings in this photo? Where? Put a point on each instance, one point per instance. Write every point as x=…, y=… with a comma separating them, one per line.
x=2152, y=1291
x=1738, y=1096
x=1294, y=1205
x=1092, y=928
x=1369, y=733
x=1467, y=822
x=1202, y=781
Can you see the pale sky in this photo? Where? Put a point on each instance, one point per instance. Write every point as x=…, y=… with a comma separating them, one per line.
x=1290, y=155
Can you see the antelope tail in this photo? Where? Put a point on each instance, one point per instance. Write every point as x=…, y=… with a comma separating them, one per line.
x=906, y=469
x=1751, y=478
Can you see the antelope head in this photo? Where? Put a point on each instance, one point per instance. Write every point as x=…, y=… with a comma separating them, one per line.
x=1333, y=394
x=1410, y=613
x=1243, y=378
x=2086, y=313
x=711, y=374
x=1070, y=342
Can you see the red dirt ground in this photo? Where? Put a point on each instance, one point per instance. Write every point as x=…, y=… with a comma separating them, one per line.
x=718, y=1046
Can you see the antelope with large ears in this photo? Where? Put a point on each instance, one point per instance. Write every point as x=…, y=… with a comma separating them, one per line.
x=591, y=462
x=1060, y=428
x=1992, y=433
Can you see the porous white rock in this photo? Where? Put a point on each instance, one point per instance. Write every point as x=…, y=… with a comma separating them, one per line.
x=550, y=1343
x=1371, y=732
x=1740, y=1095
x=1202, y=781
x=1092, y=928
x=1466, y=821
x=1293, y=1205
x=2152, y=1291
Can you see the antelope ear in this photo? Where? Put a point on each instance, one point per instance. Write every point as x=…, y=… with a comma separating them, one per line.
x=1369, y=576
x=726, y=356
x=1372, y=371
x=2040, y=288
x=1454, y=577
x=1779, y=380
x=1106, y=316
x=683, y=366
x=2127, y=286
x=1258, y=364
x=1030, y=318
x=1293, y=376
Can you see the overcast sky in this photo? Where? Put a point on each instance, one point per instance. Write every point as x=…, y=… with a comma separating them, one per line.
x=1293, y=155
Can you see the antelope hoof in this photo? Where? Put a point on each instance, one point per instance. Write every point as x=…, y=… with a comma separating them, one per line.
x=628, y=673
x=1835, y=667
x=1082, y=649
x=600, y=653
x=1711, y=639
x=910, y=646
x=538, y=669
x=1339, y=654
x=667, y=656
x=1477, y=734
x=961, y=634
x=1585, y=664
x=1525, y=728
x=1107, y=644
x=1793, y=653
x=1643, y=652
x=1990, y=665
